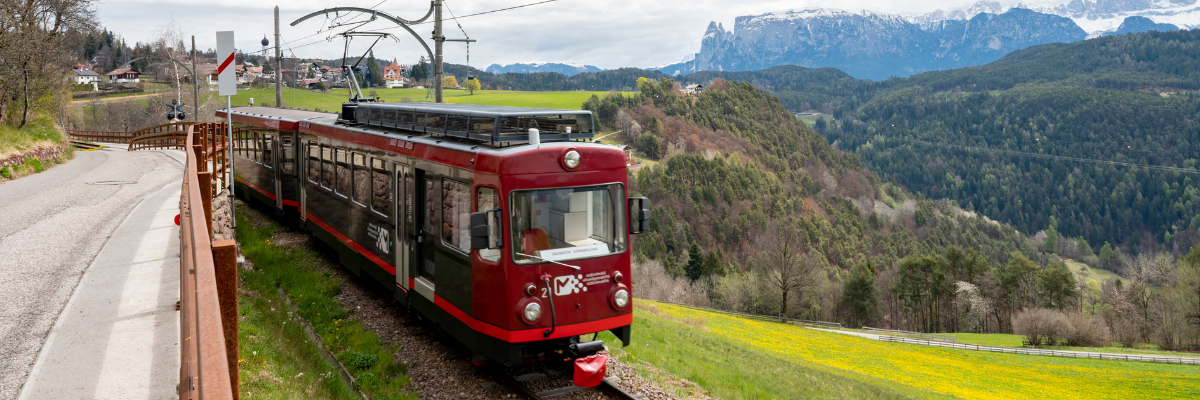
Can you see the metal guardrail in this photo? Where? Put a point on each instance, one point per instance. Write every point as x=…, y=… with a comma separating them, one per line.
x=1053, y=353
x=127, y=137
x=208, y=278
x=915, y=335
x=759, y=317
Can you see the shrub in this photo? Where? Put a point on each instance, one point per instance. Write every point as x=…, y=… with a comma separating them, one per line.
x=6, y=172
x=1041, y=327
x=1086, y=332
x=1127, y=333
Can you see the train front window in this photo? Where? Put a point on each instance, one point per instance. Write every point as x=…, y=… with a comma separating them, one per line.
x=567, y=224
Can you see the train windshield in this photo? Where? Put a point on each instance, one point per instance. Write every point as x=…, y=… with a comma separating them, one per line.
x=568, y=223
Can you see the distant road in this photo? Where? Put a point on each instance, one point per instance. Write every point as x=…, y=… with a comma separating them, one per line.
x=52, y=225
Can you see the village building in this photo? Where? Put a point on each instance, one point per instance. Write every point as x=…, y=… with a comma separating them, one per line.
x=124, y=75
x=393, y=76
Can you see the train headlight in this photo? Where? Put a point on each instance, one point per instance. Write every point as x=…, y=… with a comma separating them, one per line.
x=533, y=312
x=621, y=298
x=571, y=159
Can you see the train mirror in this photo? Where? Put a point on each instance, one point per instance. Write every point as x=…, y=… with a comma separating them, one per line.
x=639, y=215
x=485, y=230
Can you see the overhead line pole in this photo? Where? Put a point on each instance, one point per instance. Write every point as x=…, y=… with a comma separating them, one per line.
x=438, y=38
x=278, y=65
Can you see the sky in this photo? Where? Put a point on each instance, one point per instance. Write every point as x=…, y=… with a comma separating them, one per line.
x=605, y=33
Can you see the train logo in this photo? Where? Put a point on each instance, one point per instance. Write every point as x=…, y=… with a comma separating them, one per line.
x=565, y=285
x=381, y=236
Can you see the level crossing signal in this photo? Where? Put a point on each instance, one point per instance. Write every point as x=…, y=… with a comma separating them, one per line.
x=175, y=111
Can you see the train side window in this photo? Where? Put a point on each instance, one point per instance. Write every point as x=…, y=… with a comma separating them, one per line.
x=314, y=163
x=362, y=178
x=456, y=215
x=239, y=143
x=428, y=209
x=288, y=160
x=268, y=145
x=381, y=188
x=256, y=147
x=326, y=167
x=343, y=173
x=487, y=199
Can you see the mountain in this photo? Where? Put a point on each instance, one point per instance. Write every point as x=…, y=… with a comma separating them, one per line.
x=1140, y=24
x=1099, y=16
x=872, y=45
x=530, y=68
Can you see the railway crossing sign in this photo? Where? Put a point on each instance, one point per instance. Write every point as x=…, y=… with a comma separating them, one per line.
x=226, y=68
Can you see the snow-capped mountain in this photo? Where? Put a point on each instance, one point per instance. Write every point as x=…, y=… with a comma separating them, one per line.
x=1096, y=17
x=529, y=68
x=872, y=45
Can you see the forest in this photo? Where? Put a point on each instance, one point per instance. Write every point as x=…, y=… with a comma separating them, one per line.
x=991, y=137
x=755, y=212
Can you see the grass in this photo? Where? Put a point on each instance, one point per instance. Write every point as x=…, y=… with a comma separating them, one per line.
x=332, y=100
x=685, y=347
x=1100, y=275
x=278, y=361
x=39, y=133
x=738, y=358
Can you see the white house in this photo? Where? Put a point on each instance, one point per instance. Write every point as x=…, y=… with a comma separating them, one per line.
x=86, y=77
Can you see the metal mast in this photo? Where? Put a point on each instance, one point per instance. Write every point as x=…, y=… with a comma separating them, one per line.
x=438, y=39
x=278, y=65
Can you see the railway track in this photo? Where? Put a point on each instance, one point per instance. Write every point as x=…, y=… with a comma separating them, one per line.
x=519, y=383
x=85, y=145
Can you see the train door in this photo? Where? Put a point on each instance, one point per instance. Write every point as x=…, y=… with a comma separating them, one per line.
x=306, y=171
x=404, y=219
x=425, y=237
x=271, y=159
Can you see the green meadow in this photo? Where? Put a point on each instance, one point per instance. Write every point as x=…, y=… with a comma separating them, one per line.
x=333, y=99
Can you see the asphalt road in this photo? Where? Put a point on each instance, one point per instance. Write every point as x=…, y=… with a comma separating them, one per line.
x=52, y=226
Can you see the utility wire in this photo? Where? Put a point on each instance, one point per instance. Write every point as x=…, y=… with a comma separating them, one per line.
x=1039, y=155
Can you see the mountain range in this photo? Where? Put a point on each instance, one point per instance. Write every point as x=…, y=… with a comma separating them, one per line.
x=529, y=68
x=871, y=45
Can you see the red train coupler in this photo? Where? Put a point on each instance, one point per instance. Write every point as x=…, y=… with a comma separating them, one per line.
x=590, y=370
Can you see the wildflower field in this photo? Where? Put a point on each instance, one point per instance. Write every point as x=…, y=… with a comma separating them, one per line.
x=895, y=369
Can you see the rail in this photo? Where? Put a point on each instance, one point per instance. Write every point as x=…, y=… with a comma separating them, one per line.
x=208, y=276
x=1053, y=353
x=914, y=335
x=760, y=317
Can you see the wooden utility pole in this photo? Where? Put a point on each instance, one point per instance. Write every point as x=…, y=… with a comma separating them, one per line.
x=278, y=65
x=438, y=39
x=195, y=85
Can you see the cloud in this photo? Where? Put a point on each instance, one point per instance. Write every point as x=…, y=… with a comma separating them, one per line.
x=607, y=34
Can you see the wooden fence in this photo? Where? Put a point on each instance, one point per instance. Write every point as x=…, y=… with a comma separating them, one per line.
x=1053, y=353
x=913, y=335
x=208, y=275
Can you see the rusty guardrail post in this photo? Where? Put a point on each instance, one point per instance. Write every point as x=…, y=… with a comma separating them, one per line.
x=225, y=260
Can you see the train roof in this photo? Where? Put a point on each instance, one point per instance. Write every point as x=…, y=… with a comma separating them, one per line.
x=473, y=110
x=308, y=121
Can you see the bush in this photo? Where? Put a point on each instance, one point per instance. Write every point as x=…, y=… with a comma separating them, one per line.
x=1086, y=332
x=1041, y=327
x=1127, y=333
x=6, y=173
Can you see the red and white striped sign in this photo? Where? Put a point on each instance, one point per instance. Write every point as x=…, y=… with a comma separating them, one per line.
x=226, y=70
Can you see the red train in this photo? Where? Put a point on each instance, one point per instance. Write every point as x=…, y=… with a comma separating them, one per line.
x=505, y=226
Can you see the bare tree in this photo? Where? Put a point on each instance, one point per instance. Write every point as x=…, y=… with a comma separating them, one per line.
x=34, y=54
x=786, y=261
